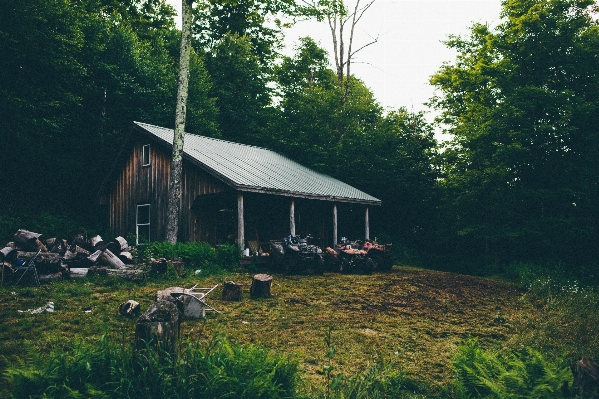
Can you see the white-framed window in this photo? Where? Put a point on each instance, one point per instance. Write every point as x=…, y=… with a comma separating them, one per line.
x=142, y=224
x=145, y=155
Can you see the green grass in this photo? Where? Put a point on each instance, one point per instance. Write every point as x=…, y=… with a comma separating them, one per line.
x=394, y=333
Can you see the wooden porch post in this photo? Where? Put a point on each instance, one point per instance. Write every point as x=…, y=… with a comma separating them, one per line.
x=292, y=218
x=366, y=226
x=334, y=224
x=240, y=227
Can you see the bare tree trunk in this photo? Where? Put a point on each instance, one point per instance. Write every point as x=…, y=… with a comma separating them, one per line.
x=174, y=192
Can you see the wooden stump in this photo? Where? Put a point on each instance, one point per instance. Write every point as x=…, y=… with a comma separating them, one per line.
x=261, y=286
x=586, y=377
x=158, y=327
x=232, y=291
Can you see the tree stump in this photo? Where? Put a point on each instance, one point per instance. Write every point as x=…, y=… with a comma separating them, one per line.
x=261, y=286
x=232, y=291
x=586, y=377
x=158, y=327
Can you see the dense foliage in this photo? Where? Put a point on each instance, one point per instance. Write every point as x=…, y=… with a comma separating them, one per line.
x=521, y=174
x=106, y=369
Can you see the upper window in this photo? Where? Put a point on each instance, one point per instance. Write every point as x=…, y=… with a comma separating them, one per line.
x=145, y=155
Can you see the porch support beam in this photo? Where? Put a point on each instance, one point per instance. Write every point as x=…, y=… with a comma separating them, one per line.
x=366, y=226
x=334, y=224
x=240, y=225
x=292, y=218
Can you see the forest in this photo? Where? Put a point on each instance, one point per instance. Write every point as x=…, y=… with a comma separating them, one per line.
x=518, y=181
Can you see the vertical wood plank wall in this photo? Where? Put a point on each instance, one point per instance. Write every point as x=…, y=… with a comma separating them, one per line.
x=137, y=184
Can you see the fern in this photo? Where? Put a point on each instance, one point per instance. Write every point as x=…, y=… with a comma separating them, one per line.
x=524, y=374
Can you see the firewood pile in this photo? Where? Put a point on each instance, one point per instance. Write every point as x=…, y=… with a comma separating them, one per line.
x=65, y=258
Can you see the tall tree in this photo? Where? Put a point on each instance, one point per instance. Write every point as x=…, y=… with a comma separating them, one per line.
x=340, y=19
x=174, y=191
x=522, y=103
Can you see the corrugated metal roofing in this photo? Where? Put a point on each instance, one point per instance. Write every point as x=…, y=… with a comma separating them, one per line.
x=249, y=168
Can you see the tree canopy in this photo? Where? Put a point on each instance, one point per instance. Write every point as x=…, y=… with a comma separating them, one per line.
x=521, y=101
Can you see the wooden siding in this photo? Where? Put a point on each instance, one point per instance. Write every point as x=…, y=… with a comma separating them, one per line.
x=137, y=184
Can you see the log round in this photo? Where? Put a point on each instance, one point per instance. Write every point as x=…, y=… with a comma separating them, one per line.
x=232, y=291
x=113, y=260
x=586, y=377
x=93, y=258
x=261, y=284
x=123, y=243
x=24, y=238
x=158, y=327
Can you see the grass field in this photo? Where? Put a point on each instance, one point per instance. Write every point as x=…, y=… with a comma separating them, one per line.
x=412, y=318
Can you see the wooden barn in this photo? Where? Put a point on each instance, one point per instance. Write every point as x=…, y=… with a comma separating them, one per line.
x=231, y=193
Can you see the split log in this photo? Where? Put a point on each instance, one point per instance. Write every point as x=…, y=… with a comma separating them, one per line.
x=81, y=252
x=158, y=327
x=98, y=244
x=261, y=284
x=42, y=257
x=69, y=255
x=95, y=240
x=123, y=243
x=232, y=291
x=77, y=256
x=586, y=377
x=77, y=237
x=126, y=257
x=113, y=260
x=114, y=247
x=25, y=239
x=78, y=272
x=50, y=242
x=60, y=247
x=93, y=258
x=7, y=253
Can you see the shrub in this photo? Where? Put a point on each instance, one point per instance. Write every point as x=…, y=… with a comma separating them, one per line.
x=524, y=374
x=197, y=255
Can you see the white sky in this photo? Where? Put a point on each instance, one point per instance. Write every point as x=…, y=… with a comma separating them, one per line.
x=409, y=49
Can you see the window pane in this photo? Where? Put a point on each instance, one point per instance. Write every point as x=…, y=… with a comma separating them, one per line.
x=143, y=214
x=143, y=234
x=145, y=155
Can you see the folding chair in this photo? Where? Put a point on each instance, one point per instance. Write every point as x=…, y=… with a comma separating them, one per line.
x=29, y=265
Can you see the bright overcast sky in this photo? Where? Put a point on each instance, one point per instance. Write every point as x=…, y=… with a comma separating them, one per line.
x=409, y=49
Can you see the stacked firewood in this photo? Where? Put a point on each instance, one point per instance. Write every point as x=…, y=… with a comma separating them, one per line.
x=59, y=257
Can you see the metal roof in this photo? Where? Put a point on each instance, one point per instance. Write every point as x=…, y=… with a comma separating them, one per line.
x=249, y=168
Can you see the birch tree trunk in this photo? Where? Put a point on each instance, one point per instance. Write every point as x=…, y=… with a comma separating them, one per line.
x=174, y=191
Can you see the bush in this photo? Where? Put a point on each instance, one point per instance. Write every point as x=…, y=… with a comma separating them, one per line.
x=213, y=369
x=524, y=374
x=197, y=255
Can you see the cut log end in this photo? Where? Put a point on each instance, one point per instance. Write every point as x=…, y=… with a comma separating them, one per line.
x=261, y=284
x=232, y=291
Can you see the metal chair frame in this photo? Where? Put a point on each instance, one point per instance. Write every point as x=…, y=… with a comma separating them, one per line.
x=29, y=265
